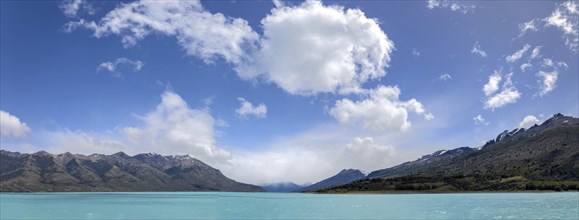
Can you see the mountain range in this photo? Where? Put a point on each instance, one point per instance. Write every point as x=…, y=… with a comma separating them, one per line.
x=44, y=172
x=544, y=157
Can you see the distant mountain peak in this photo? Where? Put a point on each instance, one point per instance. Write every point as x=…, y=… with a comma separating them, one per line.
x=343, y=177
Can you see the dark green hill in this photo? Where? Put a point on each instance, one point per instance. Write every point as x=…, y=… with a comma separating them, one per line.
x=42, y=172
x=544, y=157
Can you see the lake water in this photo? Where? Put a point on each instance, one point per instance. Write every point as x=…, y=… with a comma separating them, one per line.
x=210, y=205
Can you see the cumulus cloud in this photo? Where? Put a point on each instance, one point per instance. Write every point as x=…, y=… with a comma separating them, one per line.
x=11, y=126
x=508, y=94
x=199, y=32
x=528, y=121
x=174, y=128
x=305, y=49
x=547, y=81
x=493, y=85
x=381, y=110
x=312, y=48
x=171, y=128
x=247, y=109
x=476, y=50
x=564, y=18
x=518, y=54
x=450, y=4
x=112, y=66
x=479, y=120
x=445, y=77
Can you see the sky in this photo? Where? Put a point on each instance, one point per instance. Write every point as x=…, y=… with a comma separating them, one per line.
x=279, y=91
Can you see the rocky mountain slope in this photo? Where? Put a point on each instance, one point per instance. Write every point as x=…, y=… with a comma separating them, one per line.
x=544, y=157
x=343, y=177
x=42, y=171
x=421, y=164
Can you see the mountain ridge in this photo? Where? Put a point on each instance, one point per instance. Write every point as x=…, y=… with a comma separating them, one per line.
x=543, y=157
x=42, y=171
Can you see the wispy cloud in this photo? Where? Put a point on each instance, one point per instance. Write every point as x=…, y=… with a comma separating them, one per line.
x=564, y=18
x=518, y=54
x=476, y=50
x=71, y=8
x=445, y=77
x=459, y=6
x=112, y=66
x=479, y=120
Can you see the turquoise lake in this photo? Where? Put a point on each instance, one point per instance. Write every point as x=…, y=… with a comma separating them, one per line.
x=212, y=205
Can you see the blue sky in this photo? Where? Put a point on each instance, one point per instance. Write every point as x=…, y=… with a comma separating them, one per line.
x=270, y=91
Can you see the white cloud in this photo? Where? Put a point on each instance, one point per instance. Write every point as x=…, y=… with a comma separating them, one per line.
x=493, y=85
x=305, y=49
x=528, y=121
x=113, y=66
x=476, y=49
x=312, y=48
x=479, y=120
x=174, y=128
x=83, y=143
x=445, y=77
x=380, y=111
x=450, y=4
x=528, y=26
x=518, y=55
x=536, y=52
x=547, y=81
x=11, y=126
x=548, y=62
x=71, y=8
x=563, y=18
x=526, y=66
x=293, y=160
x=200, y=33
x=246, y=109
x=278, y=3
x=508, y=94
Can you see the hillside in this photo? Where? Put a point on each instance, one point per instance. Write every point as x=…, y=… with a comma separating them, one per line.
x=544, y=157
x=42, y=172
x=343, y=177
